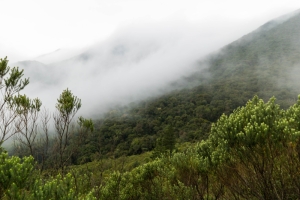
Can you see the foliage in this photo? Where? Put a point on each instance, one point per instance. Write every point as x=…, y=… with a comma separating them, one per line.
x=249, y=152
x=67, y=106
x=14, y=175
x=10, y=86
x=27, y=123
x=19, y=117
x=165, y=144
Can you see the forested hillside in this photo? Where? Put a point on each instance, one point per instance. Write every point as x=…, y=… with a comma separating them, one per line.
x=264, y=62
x=225, y=138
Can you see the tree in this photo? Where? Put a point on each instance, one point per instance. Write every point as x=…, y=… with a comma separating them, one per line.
x=43, y=144
x=166, y=143
x=66, y=108
x=80, y=146
x=27, y=122
x=10, y=86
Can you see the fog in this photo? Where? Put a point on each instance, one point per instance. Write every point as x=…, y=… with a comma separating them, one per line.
x=136, y=62
x=111, y=53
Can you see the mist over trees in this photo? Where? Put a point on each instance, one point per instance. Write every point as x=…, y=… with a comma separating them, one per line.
x=21, y=120
x=207, y=141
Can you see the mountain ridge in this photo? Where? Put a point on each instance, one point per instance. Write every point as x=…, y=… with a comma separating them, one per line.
x=246, y=67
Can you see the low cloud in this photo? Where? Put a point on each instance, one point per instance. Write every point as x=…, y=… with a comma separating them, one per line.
x=137, y=62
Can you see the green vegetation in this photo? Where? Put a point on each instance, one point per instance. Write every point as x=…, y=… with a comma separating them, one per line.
x=263, y=63
x=251, y=154
x=165, y=145
x=206, y=142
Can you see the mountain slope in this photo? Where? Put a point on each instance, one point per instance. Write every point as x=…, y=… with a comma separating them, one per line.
x=267, y=53
x=133, y=64
x=263, y=62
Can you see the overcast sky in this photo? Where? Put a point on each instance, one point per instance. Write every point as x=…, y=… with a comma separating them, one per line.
x=34, y=27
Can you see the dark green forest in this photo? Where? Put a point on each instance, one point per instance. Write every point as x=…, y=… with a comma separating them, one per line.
x=232, y=133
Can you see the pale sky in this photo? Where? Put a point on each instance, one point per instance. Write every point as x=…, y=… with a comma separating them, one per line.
x=30, y=28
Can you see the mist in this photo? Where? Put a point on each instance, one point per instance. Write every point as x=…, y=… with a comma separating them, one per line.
x=137, y=62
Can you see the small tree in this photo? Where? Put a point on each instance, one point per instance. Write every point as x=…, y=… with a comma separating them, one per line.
x=10, y=85
x=27, y=122
x=43, y=143
x=67, y=106
x=166, y=143
x=79, y=147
